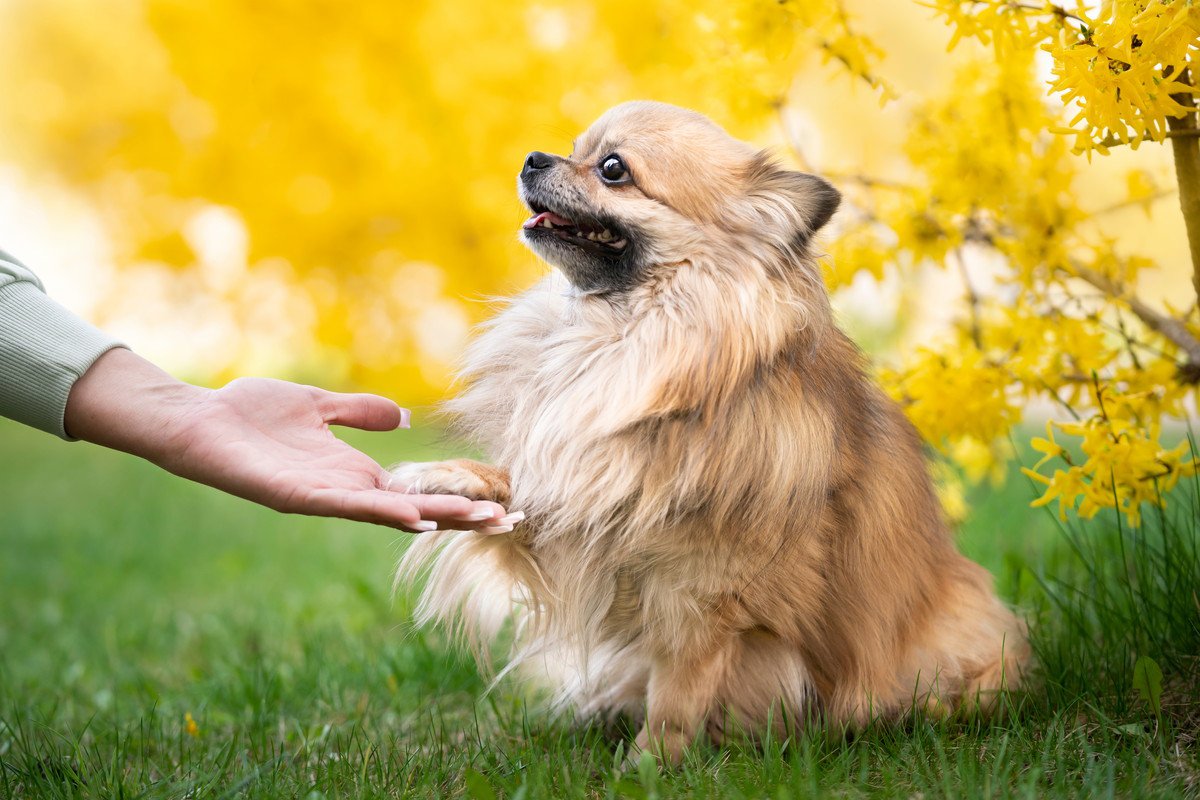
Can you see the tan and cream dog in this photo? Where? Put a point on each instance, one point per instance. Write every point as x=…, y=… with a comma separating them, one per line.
x=727, y=521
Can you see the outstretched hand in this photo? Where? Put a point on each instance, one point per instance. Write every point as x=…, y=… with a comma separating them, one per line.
x=266, y=440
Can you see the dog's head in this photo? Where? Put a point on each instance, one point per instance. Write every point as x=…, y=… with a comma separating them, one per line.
x=653, y=185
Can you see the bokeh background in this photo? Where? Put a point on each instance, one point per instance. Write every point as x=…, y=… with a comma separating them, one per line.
x=325, y=191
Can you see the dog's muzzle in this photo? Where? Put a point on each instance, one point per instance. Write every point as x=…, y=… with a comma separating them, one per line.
x=537, y=163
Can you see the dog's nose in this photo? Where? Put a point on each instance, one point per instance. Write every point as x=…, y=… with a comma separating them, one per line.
x=535, y=161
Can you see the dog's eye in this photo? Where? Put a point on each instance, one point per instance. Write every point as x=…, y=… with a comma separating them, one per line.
x=613, y=170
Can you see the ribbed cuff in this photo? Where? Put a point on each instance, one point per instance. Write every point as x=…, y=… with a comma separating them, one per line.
x=44, y=349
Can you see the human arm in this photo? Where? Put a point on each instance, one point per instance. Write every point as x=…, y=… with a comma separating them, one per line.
x=264, y=440
x=44, y=349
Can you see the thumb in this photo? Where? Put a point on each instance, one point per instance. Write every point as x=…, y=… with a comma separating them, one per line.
x=368, y=412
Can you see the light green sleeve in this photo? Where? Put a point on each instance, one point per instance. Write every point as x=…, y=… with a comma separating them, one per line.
x=44, y=349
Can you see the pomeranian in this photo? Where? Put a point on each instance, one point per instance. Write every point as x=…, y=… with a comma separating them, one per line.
x=729, y=526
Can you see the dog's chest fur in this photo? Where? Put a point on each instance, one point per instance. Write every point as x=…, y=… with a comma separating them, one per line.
x=625, y=526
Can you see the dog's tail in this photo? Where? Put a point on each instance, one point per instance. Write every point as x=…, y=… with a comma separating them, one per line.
x=474, y=584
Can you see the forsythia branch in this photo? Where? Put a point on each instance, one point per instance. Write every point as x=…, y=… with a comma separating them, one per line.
x=1056, y=10
x=1186, y=150
x=1170, y=328
x=1182, y=133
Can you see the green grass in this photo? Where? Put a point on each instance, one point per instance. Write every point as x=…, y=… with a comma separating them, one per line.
x=129, y=599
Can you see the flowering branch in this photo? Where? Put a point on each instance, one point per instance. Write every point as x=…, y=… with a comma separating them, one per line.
x=1168, y=327
x=1174, y=133
x=972, y=298
x=1049, y=8
x=1187, y=172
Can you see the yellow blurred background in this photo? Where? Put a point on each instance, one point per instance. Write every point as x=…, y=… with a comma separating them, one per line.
x=326, y=191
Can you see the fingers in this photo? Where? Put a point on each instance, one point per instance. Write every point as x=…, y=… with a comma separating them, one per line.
x=415, y=513
x=459, y=513
x=503, y=524
x=368, y=412
x=366, y=505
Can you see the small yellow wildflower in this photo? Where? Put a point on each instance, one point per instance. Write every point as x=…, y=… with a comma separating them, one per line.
x=1125, y=462
x=950, y=492
x=190, y=726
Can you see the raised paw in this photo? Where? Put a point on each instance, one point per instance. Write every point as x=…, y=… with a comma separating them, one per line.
x=471, y=479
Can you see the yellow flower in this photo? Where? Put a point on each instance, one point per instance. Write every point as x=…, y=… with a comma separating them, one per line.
x=981, y=460
x=1048, y=447
x=954, y=394
x=1067, y=486
x=1121, y=69
x=190, y=726
x=950, y=492
x=1126, y=464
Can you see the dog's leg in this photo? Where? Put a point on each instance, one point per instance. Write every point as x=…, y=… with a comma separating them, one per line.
x=470, y=479
x=682, y=693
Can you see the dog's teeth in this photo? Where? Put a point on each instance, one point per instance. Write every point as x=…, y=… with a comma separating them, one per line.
x=620, y=244
x=592, y=236
x=606, y=235
x=546, y=224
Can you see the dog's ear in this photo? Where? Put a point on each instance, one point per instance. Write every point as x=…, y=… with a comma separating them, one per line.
x=815, y=197
x=810, y=200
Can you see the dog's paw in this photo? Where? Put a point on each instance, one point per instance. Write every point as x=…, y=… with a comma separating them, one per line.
x=467, y=478
x=665, y=749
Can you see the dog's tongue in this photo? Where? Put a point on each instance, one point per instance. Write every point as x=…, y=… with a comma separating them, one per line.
x=555, y=219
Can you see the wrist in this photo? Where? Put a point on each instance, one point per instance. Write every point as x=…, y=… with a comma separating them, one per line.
x=127, y=403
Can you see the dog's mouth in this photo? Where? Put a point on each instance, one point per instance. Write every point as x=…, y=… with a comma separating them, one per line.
x=590, y=235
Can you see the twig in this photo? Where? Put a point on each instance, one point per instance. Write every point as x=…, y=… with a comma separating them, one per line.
x=1168, y=327
x=1173, y=133
x=873, y=80
x=1129, y=342
x=1057, y=11
x=972, y=298
x=1049, y=8
x=868, y=181
x=1124, y=204
x=1058, y=399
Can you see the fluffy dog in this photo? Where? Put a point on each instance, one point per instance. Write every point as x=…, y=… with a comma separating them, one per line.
x=727, y=522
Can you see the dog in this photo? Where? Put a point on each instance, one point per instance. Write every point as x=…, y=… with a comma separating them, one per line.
x=729, y=526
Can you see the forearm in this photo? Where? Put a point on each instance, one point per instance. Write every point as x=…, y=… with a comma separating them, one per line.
x=126, y=403
x=265, y=440
x=44, y=349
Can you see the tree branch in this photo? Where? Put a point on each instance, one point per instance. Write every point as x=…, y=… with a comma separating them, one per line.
x=1187, y=173
x=1173, y=133
x=1124, y=204
x=972, y=298
x=1050, y=8
x=1168, y=327
x=868, y=181
x=1055, y=10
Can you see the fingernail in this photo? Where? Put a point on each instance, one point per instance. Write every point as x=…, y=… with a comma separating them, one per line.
x=424, y=525
x=477, y=516
x=496, y=529
x=405, y=417
x=513, y=518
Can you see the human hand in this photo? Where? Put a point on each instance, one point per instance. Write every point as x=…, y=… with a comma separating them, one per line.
x=264, y=440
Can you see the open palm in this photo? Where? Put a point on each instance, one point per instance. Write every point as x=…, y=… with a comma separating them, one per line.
x=269, y=441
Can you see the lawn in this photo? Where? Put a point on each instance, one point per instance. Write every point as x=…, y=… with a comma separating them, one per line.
x=159, y=639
